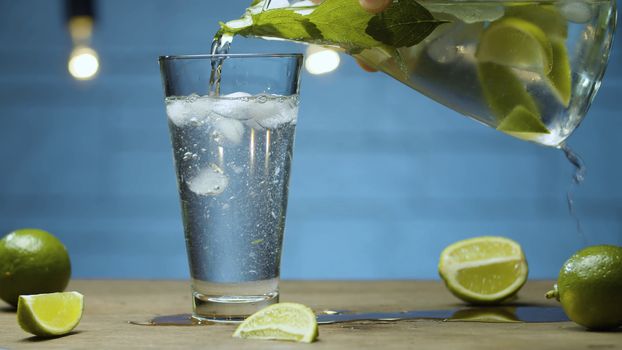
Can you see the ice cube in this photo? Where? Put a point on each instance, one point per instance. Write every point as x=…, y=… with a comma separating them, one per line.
x=263, y=107
x=191, y=109
x=210, y=181
x=443, y=50
x=233, y=105
x=577, y=11
x=177, y=112
x=274, y=112
x=228, y=130
x=237, y=94
x=450, y=45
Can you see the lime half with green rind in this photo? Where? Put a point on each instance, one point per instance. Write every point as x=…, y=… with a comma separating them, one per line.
x=531, y=42
x=555, y=26
x=483, y=270
x=546, y=17
x=517, y=43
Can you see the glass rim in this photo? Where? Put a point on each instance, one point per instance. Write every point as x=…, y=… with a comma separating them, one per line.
x=229, y=55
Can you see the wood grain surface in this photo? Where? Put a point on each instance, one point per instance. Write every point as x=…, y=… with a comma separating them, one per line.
x=111, y=304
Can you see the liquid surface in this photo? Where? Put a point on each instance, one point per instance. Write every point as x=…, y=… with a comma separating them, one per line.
x=504, y=314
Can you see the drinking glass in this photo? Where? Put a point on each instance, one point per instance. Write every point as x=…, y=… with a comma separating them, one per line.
x=232, y=120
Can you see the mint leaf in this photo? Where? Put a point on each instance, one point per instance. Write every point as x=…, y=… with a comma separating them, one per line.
x=405, y=23
x=343, y=22
x=282, y=23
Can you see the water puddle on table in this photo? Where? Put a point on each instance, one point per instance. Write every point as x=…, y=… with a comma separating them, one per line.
x=488, y=314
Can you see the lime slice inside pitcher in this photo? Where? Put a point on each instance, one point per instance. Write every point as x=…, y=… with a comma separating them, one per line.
x=514, y=42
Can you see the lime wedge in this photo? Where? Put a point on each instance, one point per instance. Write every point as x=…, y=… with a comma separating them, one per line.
x=503, y=90
x=559, y=78
x=483, y=270
x=514, y=42
x=283, y=321
x=546, y=17
x=550, y=20
x=523, y=124
x=48, y=315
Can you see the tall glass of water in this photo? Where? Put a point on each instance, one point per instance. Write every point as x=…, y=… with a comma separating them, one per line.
x=232, y=120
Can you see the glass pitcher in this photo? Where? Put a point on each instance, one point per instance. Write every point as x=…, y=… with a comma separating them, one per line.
x=527, y=68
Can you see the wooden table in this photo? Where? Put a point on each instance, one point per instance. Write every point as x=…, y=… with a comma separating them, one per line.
x=109, y=305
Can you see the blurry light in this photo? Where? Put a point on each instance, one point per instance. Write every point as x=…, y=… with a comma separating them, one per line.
x=80, y=29
x=83, y=63
x=321, y=60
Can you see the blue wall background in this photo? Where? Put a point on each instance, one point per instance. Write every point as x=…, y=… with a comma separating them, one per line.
x=383, y=178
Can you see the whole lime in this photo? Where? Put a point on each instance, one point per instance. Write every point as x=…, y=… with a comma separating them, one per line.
x=32, y=261
x=589, y=287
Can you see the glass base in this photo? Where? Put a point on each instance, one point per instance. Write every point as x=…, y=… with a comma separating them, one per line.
x=232, y=302
x=229, y=308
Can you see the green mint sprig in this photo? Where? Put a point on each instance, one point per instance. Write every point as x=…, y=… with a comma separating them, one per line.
x=280, y=23
x=342, y=23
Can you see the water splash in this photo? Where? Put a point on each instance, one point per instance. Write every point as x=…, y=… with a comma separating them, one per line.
x=577, y=179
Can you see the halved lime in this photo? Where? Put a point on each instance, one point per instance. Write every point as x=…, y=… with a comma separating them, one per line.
x=283, y=321
x=514, y=42
x=483, y=270
x=48, y=315
x=547, y=17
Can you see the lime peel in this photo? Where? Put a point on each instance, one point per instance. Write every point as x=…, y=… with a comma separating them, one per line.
x=48, y=315
x=588, y=287
x=32, y=261
x=283, y=321
x=547, y=17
